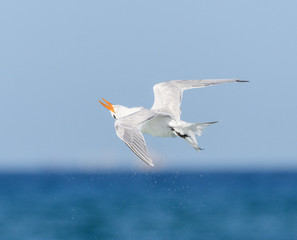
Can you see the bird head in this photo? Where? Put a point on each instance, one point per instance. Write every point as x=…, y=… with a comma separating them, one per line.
x=119, y=111
x=110, y=107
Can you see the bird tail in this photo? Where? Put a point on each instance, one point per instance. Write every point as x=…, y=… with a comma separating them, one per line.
x=190, y=131
x=198, y=128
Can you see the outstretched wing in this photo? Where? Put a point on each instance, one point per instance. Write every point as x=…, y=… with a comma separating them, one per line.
x=135, y=141
x=128, y=130
x=168, y=95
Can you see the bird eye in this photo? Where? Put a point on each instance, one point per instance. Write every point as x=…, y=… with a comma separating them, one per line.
x=113, y=116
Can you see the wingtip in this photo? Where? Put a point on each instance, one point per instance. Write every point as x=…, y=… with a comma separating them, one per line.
x=242, y=81
x=151, y=164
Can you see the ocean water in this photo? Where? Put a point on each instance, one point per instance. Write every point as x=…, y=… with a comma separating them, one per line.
x=144, y=206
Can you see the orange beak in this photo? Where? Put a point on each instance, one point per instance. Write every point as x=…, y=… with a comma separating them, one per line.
x=108, y=105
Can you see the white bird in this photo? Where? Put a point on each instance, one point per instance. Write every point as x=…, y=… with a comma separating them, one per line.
x=162, y=120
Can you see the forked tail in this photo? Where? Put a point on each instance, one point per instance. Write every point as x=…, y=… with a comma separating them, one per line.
x=198, y=128
x=190, y=131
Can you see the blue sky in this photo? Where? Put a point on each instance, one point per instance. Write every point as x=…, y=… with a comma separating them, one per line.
x=58, y=58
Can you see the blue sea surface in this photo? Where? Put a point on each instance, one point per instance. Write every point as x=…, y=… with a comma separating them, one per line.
x=148, y=206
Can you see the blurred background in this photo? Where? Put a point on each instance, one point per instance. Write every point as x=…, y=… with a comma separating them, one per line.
x=62, y=165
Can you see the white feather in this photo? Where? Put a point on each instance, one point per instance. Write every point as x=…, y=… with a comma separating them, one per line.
x=163, y=119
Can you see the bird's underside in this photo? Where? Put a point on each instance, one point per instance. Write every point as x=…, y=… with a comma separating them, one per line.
x=163, y=119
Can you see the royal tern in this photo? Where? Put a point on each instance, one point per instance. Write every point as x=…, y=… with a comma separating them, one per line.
x=162, y=120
